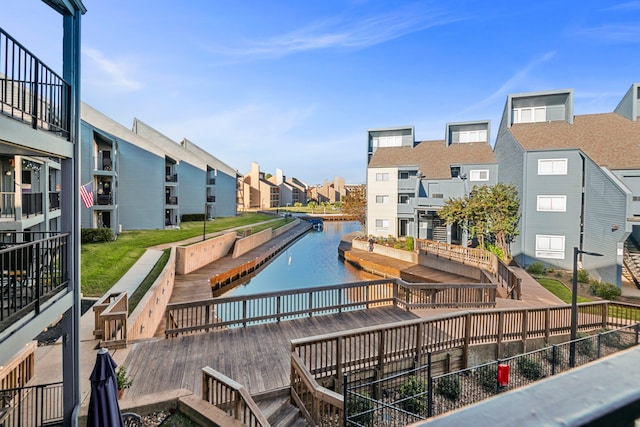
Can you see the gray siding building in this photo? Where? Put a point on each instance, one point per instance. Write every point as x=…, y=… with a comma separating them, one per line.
x=577, y=178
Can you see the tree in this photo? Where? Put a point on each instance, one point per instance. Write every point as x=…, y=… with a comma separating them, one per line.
x=489, y=212
x=355, y=204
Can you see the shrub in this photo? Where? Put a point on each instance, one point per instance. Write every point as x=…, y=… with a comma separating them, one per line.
x=583, y=276
x=449, y=387
x=529, y=368
x=559, y=359
x=360, y=409
x=612, y=339
x=604, y=290
x=488, y=377
x=536, y=269
x=96, y=235
x=409, y=244
x=193, y=217
x=494, y=249
x=412, y=395
x=584, y=345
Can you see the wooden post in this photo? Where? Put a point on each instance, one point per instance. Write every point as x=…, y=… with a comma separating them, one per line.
x=467, y=340
x=525, y=330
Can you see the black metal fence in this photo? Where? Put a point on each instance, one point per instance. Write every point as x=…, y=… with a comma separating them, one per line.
x=30, y=272
x=30, y=91
x=414, y=395
x=32, y=406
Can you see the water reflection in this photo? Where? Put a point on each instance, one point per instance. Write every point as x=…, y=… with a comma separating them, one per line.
x=311, y=261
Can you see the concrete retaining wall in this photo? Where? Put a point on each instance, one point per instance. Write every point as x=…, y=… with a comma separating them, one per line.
x=149, y=312
x=400, y=254
x=432, y=261
x=245, y=244
x=192, y=257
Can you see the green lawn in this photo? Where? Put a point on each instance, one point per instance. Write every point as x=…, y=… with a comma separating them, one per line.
x=557, y=288
x=103, y=264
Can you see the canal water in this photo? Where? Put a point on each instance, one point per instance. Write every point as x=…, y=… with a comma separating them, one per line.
x=311, y=261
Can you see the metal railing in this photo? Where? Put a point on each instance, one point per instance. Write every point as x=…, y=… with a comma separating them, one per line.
x=30, y=91
x=226, y=394
x=32, y=406
x=54, y=200
x=32, y=204
x=30, y=273
x=418, y=394
x=8, y=204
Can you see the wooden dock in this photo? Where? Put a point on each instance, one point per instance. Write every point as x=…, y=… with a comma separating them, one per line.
x=257, y=357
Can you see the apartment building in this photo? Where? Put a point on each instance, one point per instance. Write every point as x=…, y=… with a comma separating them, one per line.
x=291, y=191
x=40, y=250
x=259, y=192
x=408, y=182
x=329, y=192
x=141, y=179
x=578, y=178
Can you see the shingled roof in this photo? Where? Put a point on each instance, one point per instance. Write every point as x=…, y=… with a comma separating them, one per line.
x=433, y=158
x=610, y=139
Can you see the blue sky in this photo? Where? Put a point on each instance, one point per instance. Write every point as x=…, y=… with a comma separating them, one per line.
x=296, y=84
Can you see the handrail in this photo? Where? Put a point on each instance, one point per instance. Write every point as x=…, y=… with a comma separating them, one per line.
x=113, y=320
x=31, y=91
x=246, y=310
x=232, y=397
x=316, y=403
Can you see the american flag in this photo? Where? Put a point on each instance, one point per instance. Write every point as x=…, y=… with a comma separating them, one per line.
x=86, y=194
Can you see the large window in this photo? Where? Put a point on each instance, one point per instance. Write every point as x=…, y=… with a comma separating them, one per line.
x=479, y=175
x=382, y=224
x=382, y=199
x=382, y=176
x=552, y=203
x=404, y=198
x=530, y=115
x=387, y=141
x=549, y=246
x=552, y=166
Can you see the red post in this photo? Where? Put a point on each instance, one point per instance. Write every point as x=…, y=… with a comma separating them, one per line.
x=503, y=374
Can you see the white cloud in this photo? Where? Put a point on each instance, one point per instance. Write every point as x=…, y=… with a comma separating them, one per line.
x=626, y=6
x=616, y=33
x=344, y=33
x=107, y=73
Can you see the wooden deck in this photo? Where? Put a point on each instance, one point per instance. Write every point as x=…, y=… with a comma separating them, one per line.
x=257, y=357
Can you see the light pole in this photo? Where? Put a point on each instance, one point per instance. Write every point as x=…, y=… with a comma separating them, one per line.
x=574, y=304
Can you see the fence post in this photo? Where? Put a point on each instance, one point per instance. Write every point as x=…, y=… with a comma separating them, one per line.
x=429, y=387
x=637, y=328
x=345, y=400
x=599, y=345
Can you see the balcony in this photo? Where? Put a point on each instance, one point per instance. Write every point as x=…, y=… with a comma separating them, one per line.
x=104, y=199
x=30, y=91
x=103, y=163
x=172, y=178
x=211, y=181
x=211, y=199
x=30, y=273
x=54, y=200
x=171, y=200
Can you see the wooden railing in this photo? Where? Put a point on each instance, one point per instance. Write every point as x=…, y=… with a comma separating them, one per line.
x=318, y=405
x=325, y=359
x=232, y=398
x=479, y=258
x=111, y=313
x=241, y=311
x=20, y=370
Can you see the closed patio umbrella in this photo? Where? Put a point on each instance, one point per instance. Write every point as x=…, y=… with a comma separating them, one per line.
x=104, y=410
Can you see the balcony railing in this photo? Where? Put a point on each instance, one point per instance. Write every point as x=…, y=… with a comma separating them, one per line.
x=33, y=406
x=8, y=205
x=171, y=200
x=30, y=91
x=54, y=200
x=31, y=204
x=211, y=199
x=30, y=272
x=102, y=163
x=211, y=181
x=172, y=178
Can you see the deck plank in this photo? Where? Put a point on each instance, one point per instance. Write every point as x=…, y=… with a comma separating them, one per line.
x=257, y=357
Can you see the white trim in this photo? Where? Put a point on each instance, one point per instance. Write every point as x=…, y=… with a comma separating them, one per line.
x=552, y=166
x=555, y=203
x=550, y=246
x=476, y=175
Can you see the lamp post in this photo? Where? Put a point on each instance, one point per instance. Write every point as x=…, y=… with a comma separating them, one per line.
x=574, y=304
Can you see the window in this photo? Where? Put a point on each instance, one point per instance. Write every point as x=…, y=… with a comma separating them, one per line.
x=382, y=199
x=455, y=171
x=387, y=141
x=382, y=177
x=552, y=166
x=479, y=175
x=472, y=136
x=549, y=246
x=552, y=203
x=529, y=115
x=382, y=224
x=404, y=198
x=406, y=174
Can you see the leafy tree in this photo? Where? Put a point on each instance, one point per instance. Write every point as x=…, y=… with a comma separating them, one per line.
x=355, y=204
x=489, y=212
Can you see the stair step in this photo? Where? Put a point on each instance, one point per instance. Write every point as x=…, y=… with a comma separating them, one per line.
x=287, y=417
x=279, y=411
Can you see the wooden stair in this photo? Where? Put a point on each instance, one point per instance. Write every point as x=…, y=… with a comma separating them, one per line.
x=631, y=261
x=278, y=409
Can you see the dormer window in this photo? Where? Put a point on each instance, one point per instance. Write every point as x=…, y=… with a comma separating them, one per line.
x=530, y=115
x=473, y=136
